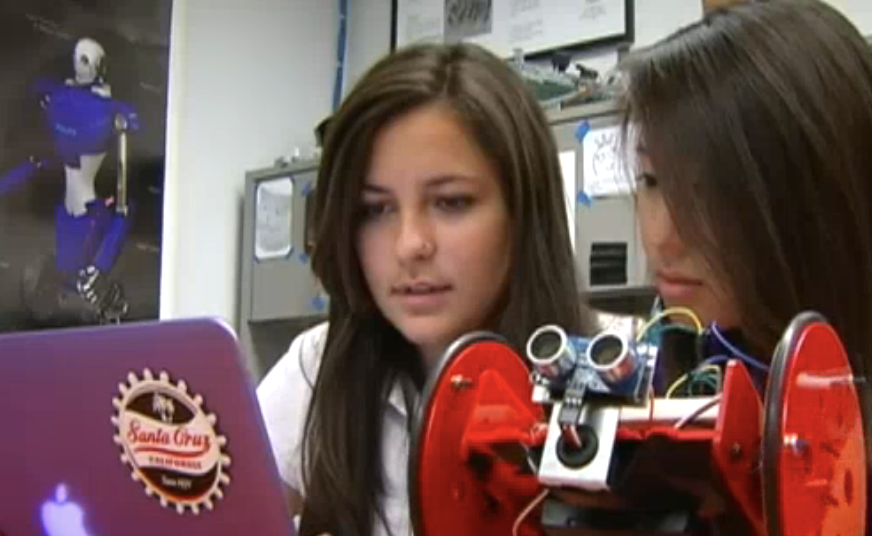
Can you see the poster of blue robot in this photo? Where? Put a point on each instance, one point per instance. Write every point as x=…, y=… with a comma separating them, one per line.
x=82, y=142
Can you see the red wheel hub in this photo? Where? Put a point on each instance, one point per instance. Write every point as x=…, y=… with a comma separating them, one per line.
x=814, y=460
x=478, y=400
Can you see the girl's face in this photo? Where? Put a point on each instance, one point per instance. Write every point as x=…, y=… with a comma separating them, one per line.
x=434, y=238
x=681, y=275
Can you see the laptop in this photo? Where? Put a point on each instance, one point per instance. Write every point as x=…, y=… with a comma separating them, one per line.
x=138, y=429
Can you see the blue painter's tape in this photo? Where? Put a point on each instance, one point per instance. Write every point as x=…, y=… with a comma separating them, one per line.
x=584, y=199
x=582, y=130
x=302, y=257
x=306, y=189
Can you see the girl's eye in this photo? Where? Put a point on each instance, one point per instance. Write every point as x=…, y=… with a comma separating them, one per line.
x=456, y=203
x=373, y=210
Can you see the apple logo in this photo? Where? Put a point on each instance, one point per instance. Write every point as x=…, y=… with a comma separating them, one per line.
x=63, y=518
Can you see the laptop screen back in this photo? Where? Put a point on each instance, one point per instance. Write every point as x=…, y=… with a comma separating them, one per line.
x=138, y=430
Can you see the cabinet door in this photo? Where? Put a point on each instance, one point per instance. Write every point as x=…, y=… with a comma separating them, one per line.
x=282, y=283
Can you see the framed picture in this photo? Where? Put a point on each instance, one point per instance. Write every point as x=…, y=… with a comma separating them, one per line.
x=82, y=152
x=535, y=27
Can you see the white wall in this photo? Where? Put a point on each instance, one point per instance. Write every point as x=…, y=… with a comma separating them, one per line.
x=859, y=11
x=369, y=36
x=249, y=79
x=655, y=19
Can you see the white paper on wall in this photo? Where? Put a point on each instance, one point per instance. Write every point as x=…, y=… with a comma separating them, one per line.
x=273, y=236
x=603, y=171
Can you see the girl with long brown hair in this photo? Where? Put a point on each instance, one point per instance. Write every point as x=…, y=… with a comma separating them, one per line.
x=439, y=210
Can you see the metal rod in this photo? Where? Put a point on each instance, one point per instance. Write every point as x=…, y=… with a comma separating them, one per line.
x=121, y=194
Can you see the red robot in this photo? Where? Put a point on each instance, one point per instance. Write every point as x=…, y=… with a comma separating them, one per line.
x=563, y=443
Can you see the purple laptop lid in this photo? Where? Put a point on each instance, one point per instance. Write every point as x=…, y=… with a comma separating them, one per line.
x=138, y=429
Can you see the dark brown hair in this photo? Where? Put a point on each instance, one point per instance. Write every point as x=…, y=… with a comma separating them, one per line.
x=758, y=124
x=364, y=355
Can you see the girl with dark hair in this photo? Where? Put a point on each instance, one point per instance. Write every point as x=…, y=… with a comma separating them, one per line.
x=751, y=131
x=439, y=210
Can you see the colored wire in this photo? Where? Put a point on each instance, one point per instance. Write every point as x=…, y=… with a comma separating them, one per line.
x=677, y=327
x=716, y=360
x=683, y=311
x=687, y=419
x=735, y=351
x=703, y=385
x=700, y=372
x=675, y=385
x=570, y=433
x=529, y=508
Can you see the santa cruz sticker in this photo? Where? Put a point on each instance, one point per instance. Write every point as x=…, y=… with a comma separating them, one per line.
x=170, y=442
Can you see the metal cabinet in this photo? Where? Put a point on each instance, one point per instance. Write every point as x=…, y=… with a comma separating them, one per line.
x=279, y=295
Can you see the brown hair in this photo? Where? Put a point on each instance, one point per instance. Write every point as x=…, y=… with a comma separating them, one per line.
x=757, y=121
x=364, y=355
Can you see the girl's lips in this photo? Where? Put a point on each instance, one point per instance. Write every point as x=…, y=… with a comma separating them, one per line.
x=424, y=302
x=676, y=287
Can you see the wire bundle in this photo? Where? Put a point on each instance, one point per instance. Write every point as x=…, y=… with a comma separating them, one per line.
x=707, y=377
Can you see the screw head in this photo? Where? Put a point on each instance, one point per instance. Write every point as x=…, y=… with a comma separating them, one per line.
x=459, y=381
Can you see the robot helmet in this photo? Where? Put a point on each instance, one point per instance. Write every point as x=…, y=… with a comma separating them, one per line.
x=89, y=61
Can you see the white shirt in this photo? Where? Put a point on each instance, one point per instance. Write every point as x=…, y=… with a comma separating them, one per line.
x=284, y=396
